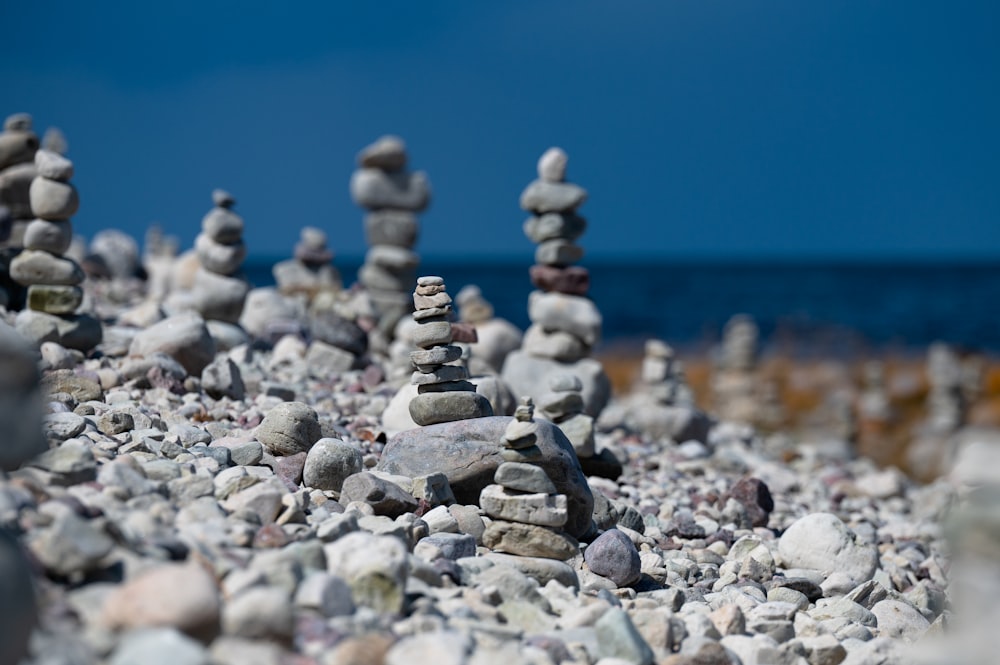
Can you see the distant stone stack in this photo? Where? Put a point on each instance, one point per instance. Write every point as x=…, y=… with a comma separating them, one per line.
x=496, y=337
x=946, y=405
x=443, y=392
x=392, y=195
x=53, y=280
x=734, y=382
x=219, y=290
x=565, y=324
x=662, y=375
x=310, y=270
x=563, y=405
x=18, y=144
x=526, y=510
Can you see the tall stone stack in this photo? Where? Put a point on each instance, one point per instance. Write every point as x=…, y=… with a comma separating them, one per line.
x=219, y=289
x=526, y=510
x=946, y=406
x=310, y=270
x=53, y=280
x=662, y=375
x=734, y=382
x=18, y=144
x=563, y=405
x=392, y=195
x=565, y=324
x=443, y=392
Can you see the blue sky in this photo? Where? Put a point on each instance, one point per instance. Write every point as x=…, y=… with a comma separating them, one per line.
x=784, y=128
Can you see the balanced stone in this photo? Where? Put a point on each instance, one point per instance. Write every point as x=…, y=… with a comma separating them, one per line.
x=387, y=153
x=553, y=344
x=555, y=226
x=542, y=509
x=441, y=374
x=54, y=299
x=37, y=267
x=377, y=189
x=222, y=198
x=375, y=276
x=224, y=259
x=552, y=165
x=436, y=355
x=445, y=387
x=541, y=197
x=223, y=225
x=219, y=297
x=15, y=188
x=18, y=143
x=523, y=478
x=52, y=236
x=529, y=540
x=392, y=258
x=430, y=280
x=433, y=314
x=53, y=166
x=558, y=253
x=431, y=333
x=397, y=228
x=52, y=199
x=573, y=314
x=443, y=407
x=573, y=280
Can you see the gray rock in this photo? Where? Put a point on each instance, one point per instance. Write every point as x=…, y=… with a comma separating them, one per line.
x=552, y=165
x=528, y=375
x=443, y=407
x=613, y=555
x=183, y=337
x=531, y=508
x=541, y=197
x=385, y=498
x=222, y=378
x=51, y=199
x=119, y=252
x=523, y=478
x=217, y=257
x=398, y=228
x=899, y=619
x=44, y=235
x=375, y=567
x=375, y=189
x=329, y=463
x=558, y=253
x=71, y=463
x=468, y=452
x=74, y=331
x=325, y=593
x=159, y=646
x=222, y=225
x=573, y=314
x=387, y=153
x=325, y=360
x=529, y=540
x=18, y=607
x=36, y=267
x=219, y=297
x=53, y=166
x=617, y=637
x=15, y=188
x=263, y=613
x=333, y=329
x=822, y=542
x=243, y=451
x=267, y=314
x=70, y=545
x=20, y=401
x=554, y=226
x=553, y=344
x=289, y=428
x=445, y=545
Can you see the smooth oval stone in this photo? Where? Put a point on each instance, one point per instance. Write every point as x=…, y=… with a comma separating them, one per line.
x=329, y=463
x=561, y=404
x=552, y=165
x=558, y=253
x=431, y=333
x=573, y=314
x=524, y=478
x=17, y=147
x=541, y=197
x=51, y=199
x=35, y=267
x=217, y=257
x=49, y=236
x=219, y=297
x=391, y=227
x=446, y=407
x=222, y=198
x=554, y=226
x=289, y=428
x=387, y=153
x=552, y=344
x=440, y=374
x=376, y=189
x=614, y=556
x=184, y=337
x=53, y=166
x=222, y=225
x=54, y=299
x=469, y=452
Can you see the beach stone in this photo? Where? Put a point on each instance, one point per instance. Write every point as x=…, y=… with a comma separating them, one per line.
x=82, y=388
x=523, y=478
x=397, y=228
x=266, y=312
x=180, y=596
x=49, y=236
x=441, y=647
x=53, y=166
x=558, y=253
x=327, y=594
x=17, y=146
x=376, y=189
x=243, y=451
x=451, y=546
x=73, y=331
x=227, y=336
x=899, y=619
x=36, y=267
x=219, y=297
x=385, y=498
x=70, y=545
x=541, y=197
x=755, y=497
x=431, y=333
x=573, y=314
x=375, y=567
x=62, y=426
x=433, y=408
x=224, y=259
x=333, y=329
x=18, y=607
x=469, y=452
x=613, y=555
x=119, y=252
x=617, y=637
x=552, y=165
x=329, y=463
x=529, y=540
x=535, y=508
x=437, y=355
x=184, y=337
x=554, y=345
x=822, y=542
x=15, y=188
x=573, y=280
x=222, y=378
x=529, y=375
x=263, y=613
x=222, y=225
x=51, y=199
x=387, y=153
x=53, y=299
x=289, y=428
x=159, y=646
x=379, y=278
x=325, y=360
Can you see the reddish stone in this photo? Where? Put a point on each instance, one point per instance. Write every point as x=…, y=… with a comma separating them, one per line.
x=464, y=332
x=755, y=497
x=573, y=280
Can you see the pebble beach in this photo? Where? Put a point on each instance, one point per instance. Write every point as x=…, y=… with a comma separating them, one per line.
x=381, y=471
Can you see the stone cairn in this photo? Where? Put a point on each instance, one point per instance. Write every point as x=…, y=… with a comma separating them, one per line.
x=734, y=381
x=563, y=405
x=946, y=406
x=565, y=324
x=310, y=271
x=526, y=510
x=496, y=337
x=18, y=144
x=53, y=280
x=219, y=289
x=392, y=195
x=662, y=375
x=443, y=393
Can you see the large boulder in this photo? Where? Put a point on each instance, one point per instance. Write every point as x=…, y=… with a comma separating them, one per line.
x=468, y=452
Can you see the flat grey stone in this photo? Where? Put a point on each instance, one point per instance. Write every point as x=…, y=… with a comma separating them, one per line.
x=375, y=189
x=37, y=267
x=52, y=199
x=541, y=197
x=523, y=478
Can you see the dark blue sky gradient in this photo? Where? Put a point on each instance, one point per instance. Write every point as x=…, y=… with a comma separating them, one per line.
x=701, y=129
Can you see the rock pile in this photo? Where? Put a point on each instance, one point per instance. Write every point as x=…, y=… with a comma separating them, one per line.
x=734, y=380
x=563, y=405
x=392, y=195
x=496, y=337
x=219, y=289
x=443, y=392
x=18, y=144
x=309, y=271
x=565, y=323
x=53, y=280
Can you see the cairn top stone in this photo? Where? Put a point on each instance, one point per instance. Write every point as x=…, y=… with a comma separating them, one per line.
x=565, y=382
x=18, y=122
x=53, y=166
x=525, y=411
x=552, y=165
x=222, y=198
x=313, y=238
x=659, y=349
x=55, y=141
x=387, y=153
x=430, y=280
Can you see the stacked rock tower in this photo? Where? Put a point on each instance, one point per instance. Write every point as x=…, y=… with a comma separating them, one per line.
x=734, y=381
x=18, y=144
x=219, y=288
x=565, y=324
x=310, y=270
x=53, y=280
x=443, y=393
x=392, y=195
x=527, y=511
